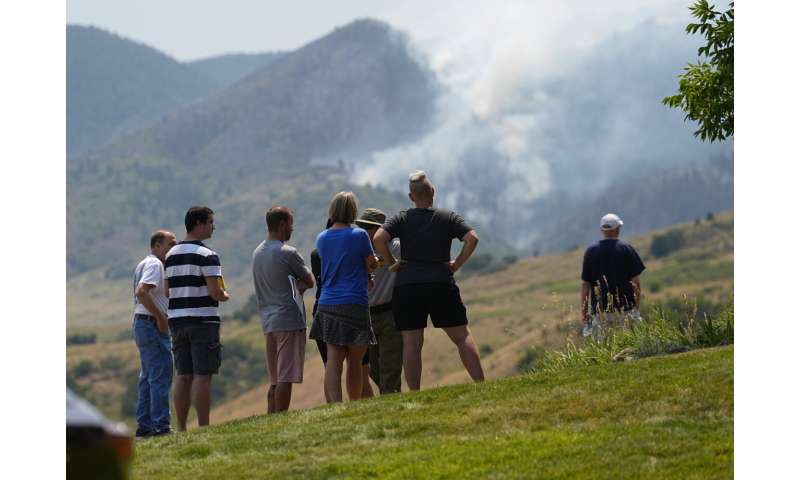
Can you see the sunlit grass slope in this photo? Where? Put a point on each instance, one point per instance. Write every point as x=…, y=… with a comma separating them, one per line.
x=661, y=417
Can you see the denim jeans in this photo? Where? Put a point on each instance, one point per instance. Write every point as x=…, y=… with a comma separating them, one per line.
x=155, y=378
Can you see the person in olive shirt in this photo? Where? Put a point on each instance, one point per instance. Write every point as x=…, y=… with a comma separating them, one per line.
x=425, y=284
x=385, y=358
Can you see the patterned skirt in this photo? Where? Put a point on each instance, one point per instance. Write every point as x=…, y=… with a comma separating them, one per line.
x=343, y=325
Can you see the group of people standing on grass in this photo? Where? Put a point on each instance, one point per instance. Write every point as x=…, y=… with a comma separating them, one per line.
x=378, y=280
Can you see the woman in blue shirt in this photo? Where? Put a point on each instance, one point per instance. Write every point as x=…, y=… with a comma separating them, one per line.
x=342, y=319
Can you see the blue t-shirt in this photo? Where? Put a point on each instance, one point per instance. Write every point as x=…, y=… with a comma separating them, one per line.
x=344, y=276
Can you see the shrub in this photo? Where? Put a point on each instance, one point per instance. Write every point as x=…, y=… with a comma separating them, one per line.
x=655, y=287
x=662, y=331
x=530, y=359
x=478, y=262
x=112, y=363
x=243, y=367
x=130, y=399
x=666, y=243
x=486, y=350
x=248, y=310
x=82, y=369
x=124, y=335
x=81, y=339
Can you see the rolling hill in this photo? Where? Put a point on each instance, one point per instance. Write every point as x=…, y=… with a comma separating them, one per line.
x=225, y=70
x=251, y=145
x=533, y=302
x=116, y=86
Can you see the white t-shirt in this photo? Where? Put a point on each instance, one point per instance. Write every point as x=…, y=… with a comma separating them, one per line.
x=150, y=271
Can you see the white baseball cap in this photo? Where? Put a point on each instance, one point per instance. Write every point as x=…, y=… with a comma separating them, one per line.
x=610, y=221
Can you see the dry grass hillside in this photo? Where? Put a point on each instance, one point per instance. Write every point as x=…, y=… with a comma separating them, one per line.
x=532, y=303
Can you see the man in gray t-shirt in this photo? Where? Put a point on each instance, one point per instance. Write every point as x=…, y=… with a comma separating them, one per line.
x=385, y=358
x=280, y=277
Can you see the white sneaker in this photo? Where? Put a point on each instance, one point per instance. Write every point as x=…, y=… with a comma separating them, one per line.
x=588, y=328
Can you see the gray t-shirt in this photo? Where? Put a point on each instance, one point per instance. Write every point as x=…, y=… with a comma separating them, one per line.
x=273, y=263
x=384, y=279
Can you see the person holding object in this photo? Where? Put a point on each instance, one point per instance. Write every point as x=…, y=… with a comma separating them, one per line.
x=385, y=358
x=610, y=276
x=151, y=333
x=194, y=282
x=280, y=277
x=342, y=320
x=425, y=284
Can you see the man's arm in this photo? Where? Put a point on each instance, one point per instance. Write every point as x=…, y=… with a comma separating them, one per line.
x=637, y=290
x=215, y=290
x=470, y=244
x=380, y=240
x=371, y=262
x=305, y=283
x=586, y=289
x=143, y=295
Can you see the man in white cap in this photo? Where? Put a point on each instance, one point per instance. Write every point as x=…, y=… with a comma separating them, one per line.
x=610, y=275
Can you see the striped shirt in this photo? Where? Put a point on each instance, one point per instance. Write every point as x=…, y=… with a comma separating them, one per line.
x=187, y=266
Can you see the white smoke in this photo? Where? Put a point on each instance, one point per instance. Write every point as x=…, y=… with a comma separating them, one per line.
x=544, y=96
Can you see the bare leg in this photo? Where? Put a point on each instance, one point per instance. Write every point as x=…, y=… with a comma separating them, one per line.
x=353, y=380
x=333, y=372
x=283, y=396
x=467, y=350
x=366, y=387
x=182, y=396
x=412, y=357
x=272, y=365
x=201, y=388
x=271, y=399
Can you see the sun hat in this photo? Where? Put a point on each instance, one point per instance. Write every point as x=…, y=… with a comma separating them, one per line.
x=610, y=221
x=371, y=217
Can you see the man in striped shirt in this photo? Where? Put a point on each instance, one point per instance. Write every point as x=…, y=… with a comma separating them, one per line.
x=194, y=280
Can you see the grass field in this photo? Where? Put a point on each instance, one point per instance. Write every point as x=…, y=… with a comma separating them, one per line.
x=660, y=417
x=531, y=303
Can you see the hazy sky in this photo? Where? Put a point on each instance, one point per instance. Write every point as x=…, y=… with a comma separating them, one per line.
x=190, y=29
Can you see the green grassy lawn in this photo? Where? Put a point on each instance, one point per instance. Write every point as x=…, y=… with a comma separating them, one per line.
x=661, y=417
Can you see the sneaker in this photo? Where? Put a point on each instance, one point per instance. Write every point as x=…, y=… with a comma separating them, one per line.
x=588, y=327
x=143, y=432
x=158, y=433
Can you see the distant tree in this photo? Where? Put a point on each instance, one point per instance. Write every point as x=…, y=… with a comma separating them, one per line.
x=81, y=339
x=705, y=90
x=666, y=243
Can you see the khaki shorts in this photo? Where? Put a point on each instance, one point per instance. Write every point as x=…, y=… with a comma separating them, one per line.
x=286, y=355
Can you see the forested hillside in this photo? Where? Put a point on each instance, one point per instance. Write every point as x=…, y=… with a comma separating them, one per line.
x=115, y=86
x=228, y=69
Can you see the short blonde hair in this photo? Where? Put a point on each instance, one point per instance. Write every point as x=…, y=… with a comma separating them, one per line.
x=344, y=208
x=419, y=184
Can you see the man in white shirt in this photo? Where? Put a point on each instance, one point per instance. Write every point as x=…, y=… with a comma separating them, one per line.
x=151, y=332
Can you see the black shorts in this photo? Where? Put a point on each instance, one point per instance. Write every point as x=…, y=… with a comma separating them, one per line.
x=196, y=348
x=411, y=305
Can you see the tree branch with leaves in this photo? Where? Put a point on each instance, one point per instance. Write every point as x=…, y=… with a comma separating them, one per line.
x=705, y=89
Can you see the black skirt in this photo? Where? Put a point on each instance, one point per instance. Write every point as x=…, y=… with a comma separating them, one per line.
x=343, y=325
